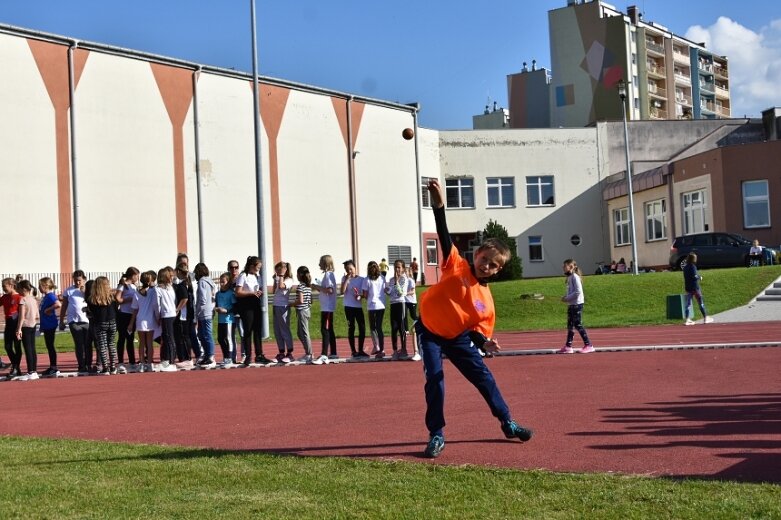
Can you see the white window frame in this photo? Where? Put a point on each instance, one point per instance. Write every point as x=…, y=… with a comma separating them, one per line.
x=431, y=250
x=533, y=242
x=498, y=184
x=462, y=185
x=655, y=212
x=425, y=196
x=621, y=234
x=694, y=204
x=536, y=181
x=755, y=199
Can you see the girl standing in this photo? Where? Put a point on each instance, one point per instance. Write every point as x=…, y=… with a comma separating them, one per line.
x=13, y=346
x=411, y=301
x=397, y=288
x=125, y=295
x=225, y=301
x=49, y=322
x=374, y=293
x=575, y=299
x=327, y=289
x=25, y=328
x=165, y=307
x=248, y=294
x=185, y=322
x=283, y=282
x=145, y=320
x=73, y=304
x=101, y=303
x=352, y=289
x=303, y=310
x=204, y=311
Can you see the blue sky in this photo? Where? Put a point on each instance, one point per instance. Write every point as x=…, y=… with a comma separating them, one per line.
x=452, y=57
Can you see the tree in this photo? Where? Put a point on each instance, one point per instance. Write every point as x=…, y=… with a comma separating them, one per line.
x=513, y=270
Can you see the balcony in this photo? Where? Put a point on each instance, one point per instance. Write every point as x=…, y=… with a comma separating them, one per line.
x=658, y=113
x=722, y=91
x=723, y=111
x=657, y=70
x=721, y=72
x=683, y=99
x=683, y=78
x=708, y=107
x=681, y=57
x=706, y=68
x=659, y=92
x=654, y=47
x=707, y=87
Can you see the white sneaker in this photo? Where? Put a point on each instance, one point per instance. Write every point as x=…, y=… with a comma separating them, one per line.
x=226, y=363
x=689, y=322
x=707, y=319
x=165, y=366
x=32, y=376
x=416, y=357
x=121, y=369
x=322, y=360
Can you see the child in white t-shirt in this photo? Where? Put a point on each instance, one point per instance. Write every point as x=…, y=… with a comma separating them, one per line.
x=397, y=288
x=145, y=320
x=374, y=294
x=283, y=282
x=327, y=289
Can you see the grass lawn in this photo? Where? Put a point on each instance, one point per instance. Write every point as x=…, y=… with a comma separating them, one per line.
x=77, y=479
x=611, y=301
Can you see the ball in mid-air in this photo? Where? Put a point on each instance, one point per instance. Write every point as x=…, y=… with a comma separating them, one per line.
x=408, y=133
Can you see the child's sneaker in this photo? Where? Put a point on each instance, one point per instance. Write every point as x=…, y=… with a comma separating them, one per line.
x=512, y=430
x=121, y=369
x=565, y=350
x=689, y=321
x=434, y=447
x=707, y=319
x=588, y=349
x=416, y=357
x=322, y=360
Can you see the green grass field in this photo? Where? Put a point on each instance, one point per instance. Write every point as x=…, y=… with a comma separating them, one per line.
x=77, y=479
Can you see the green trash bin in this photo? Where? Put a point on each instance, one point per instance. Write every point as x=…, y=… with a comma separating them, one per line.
x=676, y=307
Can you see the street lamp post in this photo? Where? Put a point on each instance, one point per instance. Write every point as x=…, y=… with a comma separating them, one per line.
x=622, y=91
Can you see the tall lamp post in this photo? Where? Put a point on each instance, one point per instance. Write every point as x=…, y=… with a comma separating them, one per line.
x=622, y=91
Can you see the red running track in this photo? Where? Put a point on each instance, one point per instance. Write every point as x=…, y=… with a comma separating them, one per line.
x=704, y=413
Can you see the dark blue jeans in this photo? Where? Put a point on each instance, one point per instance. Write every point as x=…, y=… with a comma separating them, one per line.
x=574, y=322
x=205, y=335
x=467, y=359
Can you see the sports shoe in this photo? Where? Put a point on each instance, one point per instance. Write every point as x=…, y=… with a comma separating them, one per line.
x=416, y=357
x=707, y=319
x=113, y=371
x=434, y=447
x=512, y=430
x=588, y=349
x=244, y=360
x=32, y=376
x=166, y=366
x=333, y=356
x=322, y=360
x=395, y=355
x=185, y=365
x=105, y=372
x=51, y=372
x=565, y=350
x=379, y=355
x=403, y=354
x=689, y=321
x=263, y=360
x=362, y=354
x=226, y=363
x=207, y=363
x=121, y=369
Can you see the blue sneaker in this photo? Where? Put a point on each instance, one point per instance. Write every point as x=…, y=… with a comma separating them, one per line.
x=434, y=447
x=512, y=430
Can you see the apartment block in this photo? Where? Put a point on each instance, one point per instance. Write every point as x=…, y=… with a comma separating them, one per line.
x=593, y=46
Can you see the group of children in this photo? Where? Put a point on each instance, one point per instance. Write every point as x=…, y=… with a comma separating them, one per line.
x=175, y=308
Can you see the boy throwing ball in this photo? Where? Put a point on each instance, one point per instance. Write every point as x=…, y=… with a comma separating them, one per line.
x=457, y=318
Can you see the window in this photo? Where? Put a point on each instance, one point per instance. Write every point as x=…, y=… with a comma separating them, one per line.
x=431, y=252
x=501, y=192
x=756, y=204
x=399, y=253
x=425, y=196
x=656, y=220
x=535, y=249
x=621, y=222
x=694, y=214
x=460, y=193
x=539, y=191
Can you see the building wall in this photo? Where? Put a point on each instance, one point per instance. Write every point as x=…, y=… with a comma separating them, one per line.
x=652, y=253
x=136, y=166
x=529, y=94
x=570, y=156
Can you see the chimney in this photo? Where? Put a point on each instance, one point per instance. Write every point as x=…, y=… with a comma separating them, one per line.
x=525, y=68
x=634, y=14
x=534, y=65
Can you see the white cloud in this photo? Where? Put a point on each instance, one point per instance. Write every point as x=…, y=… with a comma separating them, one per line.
x=754, y=62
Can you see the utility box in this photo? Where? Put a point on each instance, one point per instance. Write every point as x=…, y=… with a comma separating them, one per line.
x=676, y=307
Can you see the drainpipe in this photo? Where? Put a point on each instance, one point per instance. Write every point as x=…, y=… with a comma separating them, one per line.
x=74, y=178
x=198, y=189
x=351, y=183
x=422, y=263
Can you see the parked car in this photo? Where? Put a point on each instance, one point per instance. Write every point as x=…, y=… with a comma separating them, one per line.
x=715, y=250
